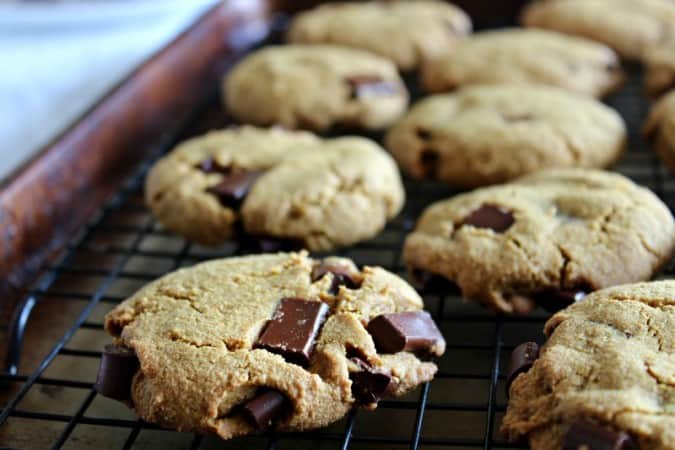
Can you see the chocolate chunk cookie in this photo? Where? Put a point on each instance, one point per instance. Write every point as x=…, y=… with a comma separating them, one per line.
x=660, y=68
x=402, y=31
x=660, y=129
x=489, y=134
x=315, y=87
x=605, y=378
x=237, y=345
x=526, y=56
x=289, y=185
x=545, y=239
x=628, y=26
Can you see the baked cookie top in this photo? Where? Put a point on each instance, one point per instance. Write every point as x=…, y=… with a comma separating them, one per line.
x=315, y=87
x=607, y=21
x=319, y=336
x=489, y=134
x=660, y=68
x=526, y=56
x=544, y=239
x=402, y=31
x=660, y=129
x=291, y=185
x=609, y=360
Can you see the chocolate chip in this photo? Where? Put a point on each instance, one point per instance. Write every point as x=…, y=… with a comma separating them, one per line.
x=269, y=244
x=553, y=300
x=232, y=190
x=117, y=368
x=522, y=359
x=370, y=85
x=583, y=435
x=413, y=331
x=423, y=134
x=370, y=385
x=265, y=408
x=429, y=160
x=210, y=165
x=495, y=217
x=433, y=283
x=341, y=277
x=293, y=329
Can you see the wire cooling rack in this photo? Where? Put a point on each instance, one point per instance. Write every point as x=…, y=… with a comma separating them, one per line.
x=122, y=248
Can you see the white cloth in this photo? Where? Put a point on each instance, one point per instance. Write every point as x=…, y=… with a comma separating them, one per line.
x=57, y=59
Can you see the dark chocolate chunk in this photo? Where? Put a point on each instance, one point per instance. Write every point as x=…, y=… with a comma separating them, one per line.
x=232, y=190
x=412, y=331
x=554, y=300
x=341, y=277
x=117, y=368
x=293, y=329
x=490, y=216
x=433, y=283
x=370, y=385
x=429, y=160
x=265, y=408
x=370, y=85
x=522, y=359
x=584, y=435
x=210, y=165
x=269, y=244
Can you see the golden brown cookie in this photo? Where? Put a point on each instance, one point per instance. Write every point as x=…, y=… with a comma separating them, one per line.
x=660, y=129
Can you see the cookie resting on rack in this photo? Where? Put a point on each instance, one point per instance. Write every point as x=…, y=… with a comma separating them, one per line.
x=483, y=135
x=604, y=379
x=546, y=239
x=628, y=26
x=239, y=345
x=404, y=32
x=660, y=129
x=526, y=56
x=288, y=187
x=315, y=87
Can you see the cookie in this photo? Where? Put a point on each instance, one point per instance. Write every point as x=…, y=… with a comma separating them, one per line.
x=315, y=87
x=545, y=239
x=402, y=31
x=237, y=345
x=490, y=134
x=660, y=68
x=605, y=378
x=526, y=56
x=630, y=27
x=660, y=129
x=288, y=185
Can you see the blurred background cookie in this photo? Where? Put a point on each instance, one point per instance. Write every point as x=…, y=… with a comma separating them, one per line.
x=524, y=57
x=660, y=129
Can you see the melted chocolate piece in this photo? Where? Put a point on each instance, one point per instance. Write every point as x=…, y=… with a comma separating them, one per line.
x=370, y=385
x=522, y=359
x=341, y=277
x=553, y=300
x=232, y=190
x=293, y=329
x=370, y=85
x=411, y=331
x=433, y=283
x=429, y=160
x=210, y=165
x=265, y=408
x=584, y=435
x=117, y=368
x=490, y=216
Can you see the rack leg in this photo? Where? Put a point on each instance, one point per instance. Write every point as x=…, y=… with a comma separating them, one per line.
x=17, y=327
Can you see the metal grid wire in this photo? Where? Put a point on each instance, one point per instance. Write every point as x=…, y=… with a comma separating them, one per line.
x=123, y=248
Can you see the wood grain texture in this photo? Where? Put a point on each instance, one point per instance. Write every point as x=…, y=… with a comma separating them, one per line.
x=54, y=195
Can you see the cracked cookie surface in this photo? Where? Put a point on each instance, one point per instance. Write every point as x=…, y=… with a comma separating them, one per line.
x=552, y=232
x=315, y=87
x=609, y=359
x=194, y=332
x=526, y=56
x=489, y=134
x=323, y=193
x=660, y=129
x=402, y=31
x=605, y=21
